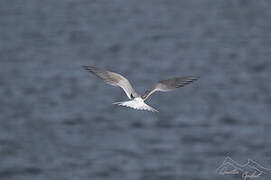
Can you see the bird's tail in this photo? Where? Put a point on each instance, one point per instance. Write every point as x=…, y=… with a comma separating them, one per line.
x=133, y=104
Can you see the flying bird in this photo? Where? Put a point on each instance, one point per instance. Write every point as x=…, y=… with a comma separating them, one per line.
x=137, y=101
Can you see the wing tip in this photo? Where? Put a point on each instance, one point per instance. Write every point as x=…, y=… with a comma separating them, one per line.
x=193, y=78
x=197, y=77
x=87, y=67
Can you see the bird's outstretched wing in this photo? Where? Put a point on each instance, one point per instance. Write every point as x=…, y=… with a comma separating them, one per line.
x=169, y=85
x=113, y=79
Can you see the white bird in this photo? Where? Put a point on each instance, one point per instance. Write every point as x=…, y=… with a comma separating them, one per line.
x=137, y=101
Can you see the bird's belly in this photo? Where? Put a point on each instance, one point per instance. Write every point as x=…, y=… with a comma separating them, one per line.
x=137, y=103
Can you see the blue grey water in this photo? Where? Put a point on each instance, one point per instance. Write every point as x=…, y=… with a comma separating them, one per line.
x=57, y=121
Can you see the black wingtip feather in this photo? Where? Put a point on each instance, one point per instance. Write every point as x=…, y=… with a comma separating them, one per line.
x=187, y=81
x=86, y=67
x=90, y=68
x=194, y=78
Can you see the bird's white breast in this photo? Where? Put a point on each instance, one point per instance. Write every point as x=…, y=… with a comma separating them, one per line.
x=136, y=102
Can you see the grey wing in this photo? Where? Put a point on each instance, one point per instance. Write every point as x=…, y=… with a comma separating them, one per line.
x=113, y=79
x=169, y=85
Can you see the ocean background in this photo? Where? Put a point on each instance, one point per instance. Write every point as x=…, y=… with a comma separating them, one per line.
x=57, y=121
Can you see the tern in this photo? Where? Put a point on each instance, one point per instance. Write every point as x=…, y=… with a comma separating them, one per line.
x=137, y=101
